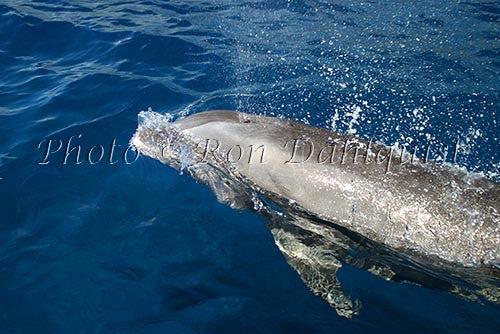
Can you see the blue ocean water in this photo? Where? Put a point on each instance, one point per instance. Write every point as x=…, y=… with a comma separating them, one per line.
x=131, y=246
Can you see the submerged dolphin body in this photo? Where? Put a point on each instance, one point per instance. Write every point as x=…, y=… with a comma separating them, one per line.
x=426, y=211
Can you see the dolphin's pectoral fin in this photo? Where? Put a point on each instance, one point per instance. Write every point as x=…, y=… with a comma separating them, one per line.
x=323, y=282
x=316, y=265
x=225, y=188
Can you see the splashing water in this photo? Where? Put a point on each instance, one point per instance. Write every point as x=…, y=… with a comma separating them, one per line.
x=185, y=158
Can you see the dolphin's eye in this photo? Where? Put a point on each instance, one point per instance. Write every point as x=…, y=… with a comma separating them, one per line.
x=247, y=121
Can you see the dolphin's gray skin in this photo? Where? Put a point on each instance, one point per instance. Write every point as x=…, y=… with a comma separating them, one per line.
x=427, y=211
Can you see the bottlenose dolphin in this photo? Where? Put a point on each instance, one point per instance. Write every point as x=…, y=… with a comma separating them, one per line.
x=429, y=212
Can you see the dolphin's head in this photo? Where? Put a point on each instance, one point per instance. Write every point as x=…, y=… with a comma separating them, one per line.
x=180, y=144
x=188, y=140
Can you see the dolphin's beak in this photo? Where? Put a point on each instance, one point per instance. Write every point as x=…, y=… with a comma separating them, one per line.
x=153, y=134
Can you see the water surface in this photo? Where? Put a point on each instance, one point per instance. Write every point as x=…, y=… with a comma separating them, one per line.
x=137, y=247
